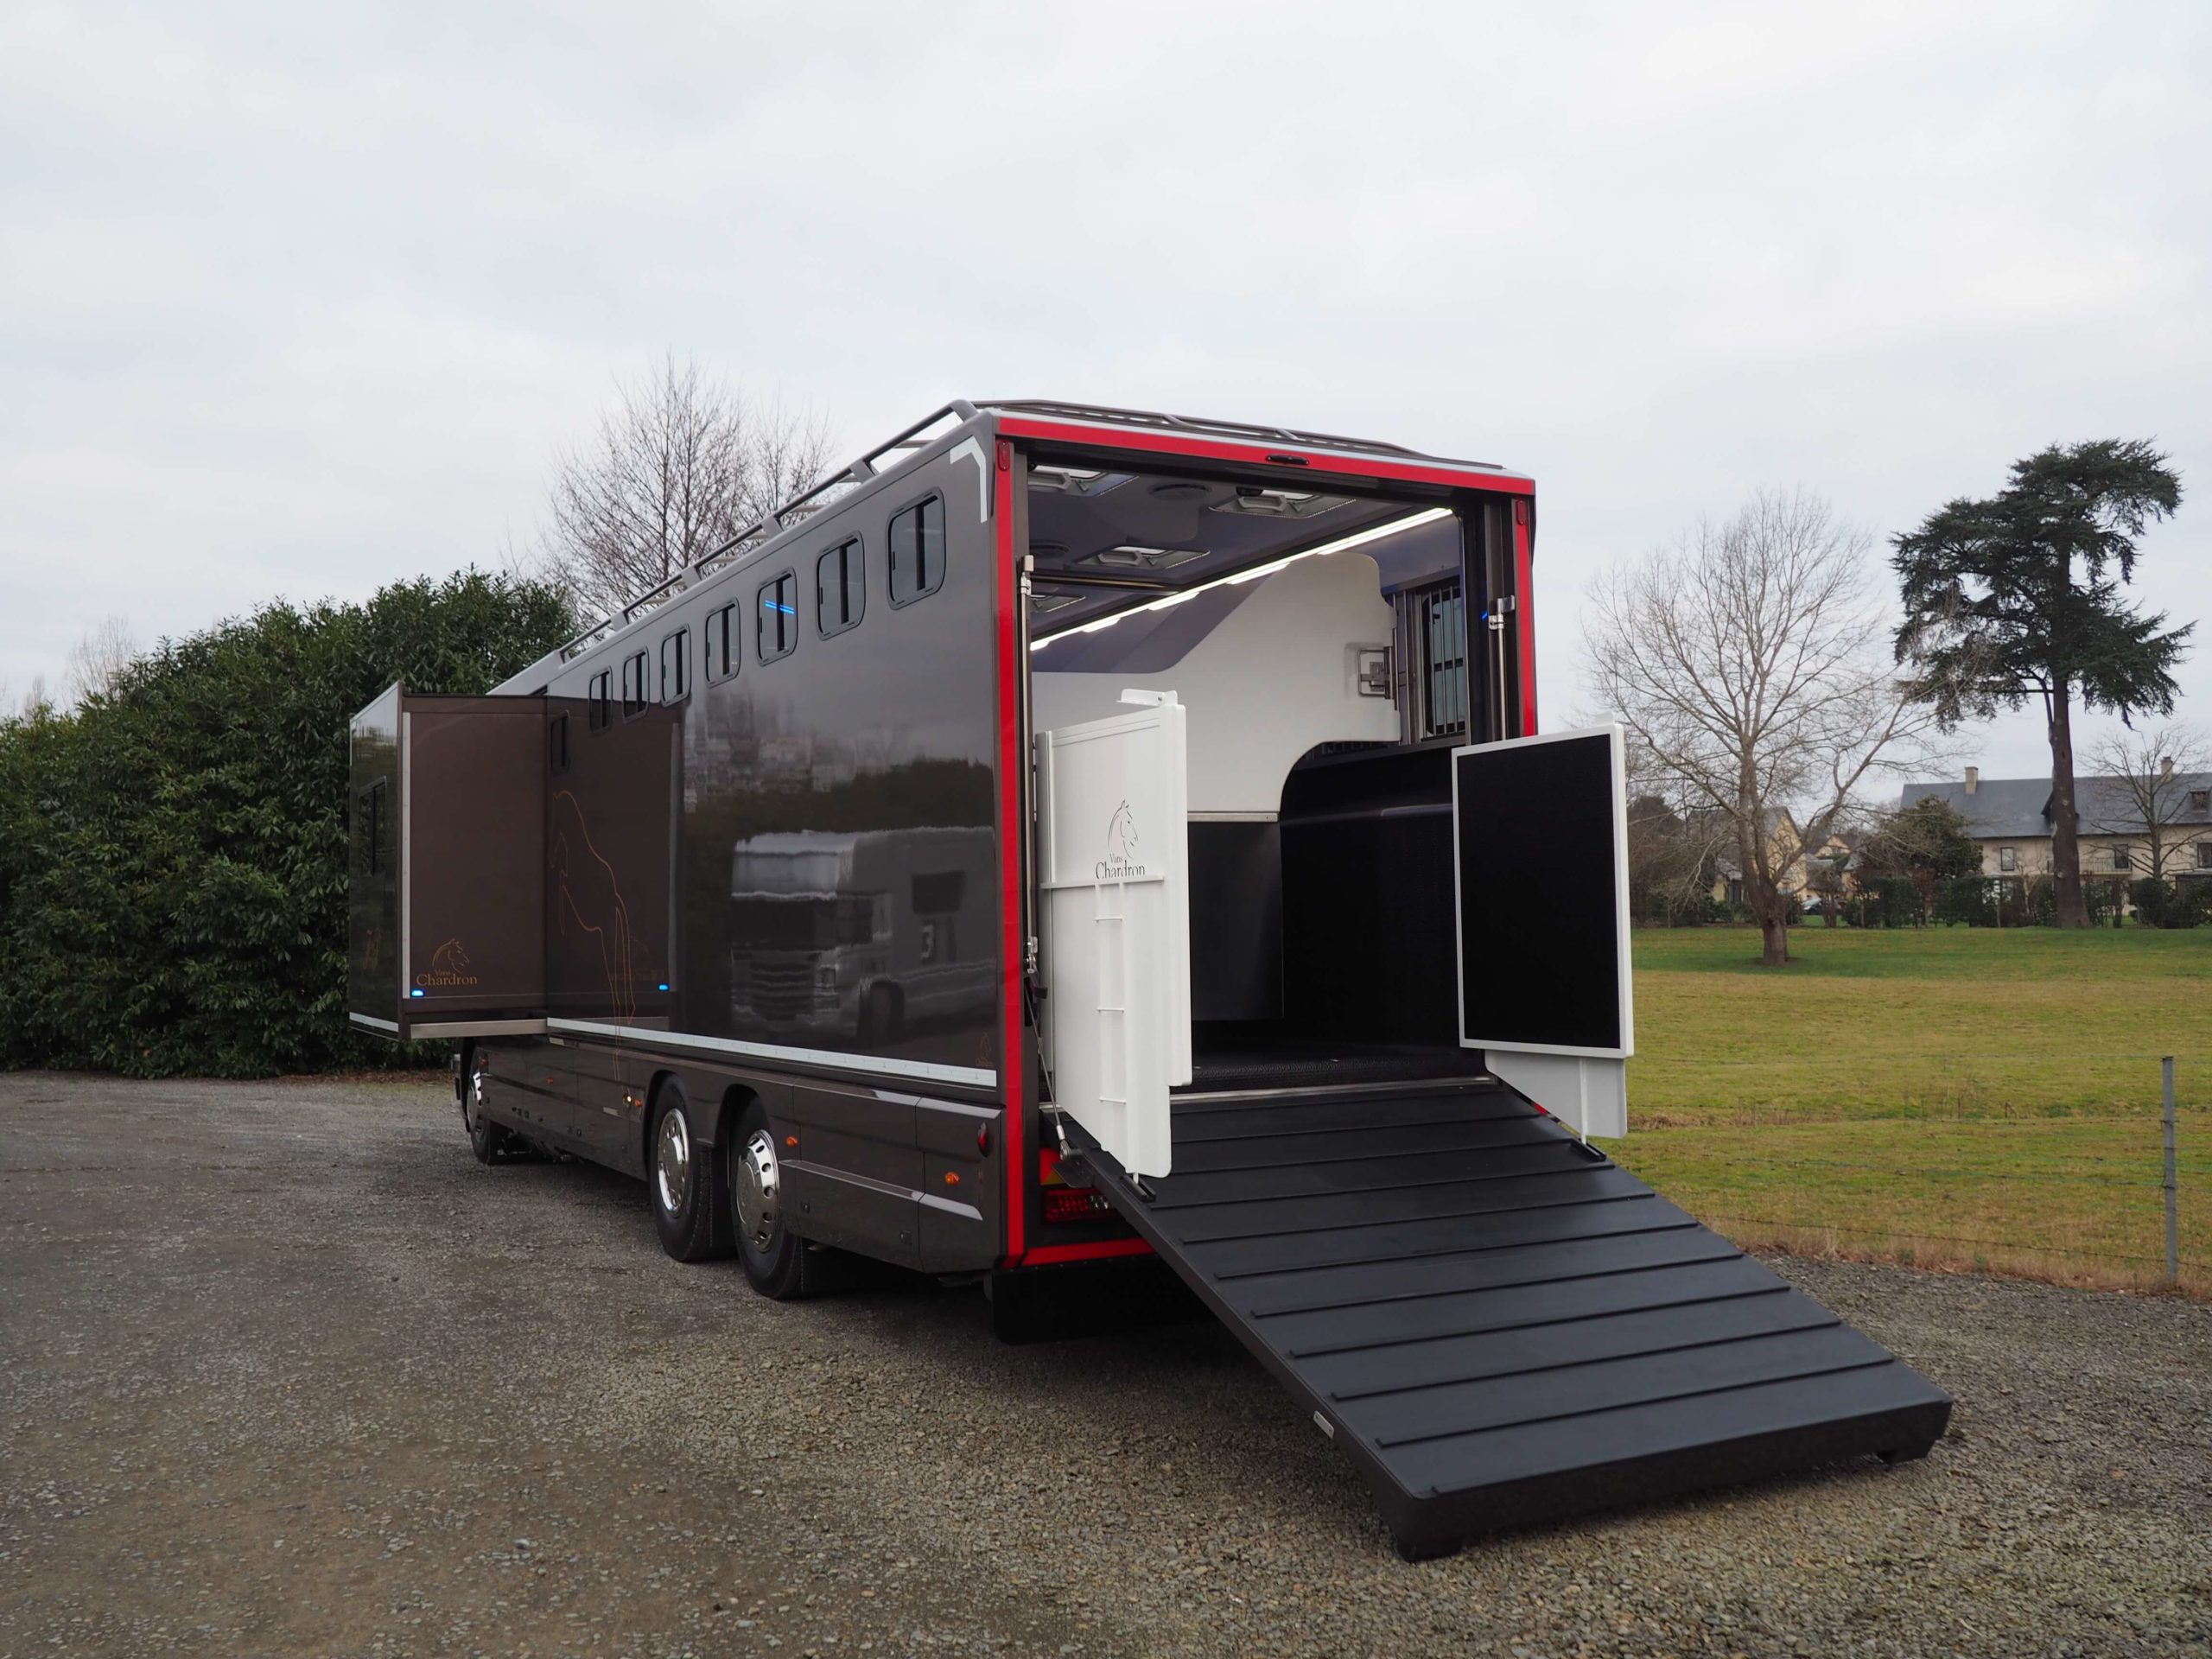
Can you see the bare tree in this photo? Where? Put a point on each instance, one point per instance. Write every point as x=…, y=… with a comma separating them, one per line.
x=2148, y=778
x=97, y=661
x=680, y=466
x=1746, y=660
x=1673, y=844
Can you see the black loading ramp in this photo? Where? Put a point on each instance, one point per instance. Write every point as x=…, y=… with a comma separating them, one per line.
x=1500, y=1325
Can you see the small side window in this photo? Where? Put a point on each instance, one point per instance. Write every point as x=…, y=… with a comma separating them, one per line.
x=777, y=626
x=675, y=666
x=2008, y=859
x=840, y=588
x=556, y=751
x=918, y=550
x=634, y=699
x=720, y=648
x=602, y=711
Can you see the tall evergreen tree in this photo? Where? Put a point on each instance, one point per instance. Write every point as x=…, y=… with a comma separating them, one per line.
x=2019, y=596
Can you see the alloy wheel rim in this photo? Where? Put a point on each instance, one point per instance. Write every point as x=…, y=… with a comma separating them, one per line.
x=673, y=1162
x=756, y=1190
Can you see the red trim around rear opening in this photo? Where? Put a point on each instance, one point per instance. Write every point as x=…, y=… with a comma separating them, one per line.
x=1316, y=460
x=1046, y=1255
x=1524, y=610
x=1012, y=834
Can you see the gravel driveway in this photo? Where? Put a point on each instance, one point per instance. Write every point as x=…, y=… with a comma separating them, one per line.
x=282, y=1370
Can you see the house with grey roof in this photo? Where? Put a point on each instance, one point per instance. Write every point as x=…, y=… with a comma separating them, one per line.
x=2010, y=820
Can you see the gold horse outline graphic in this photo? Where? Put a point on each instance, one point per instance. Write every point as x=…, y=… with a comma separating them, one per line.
x=591, y=897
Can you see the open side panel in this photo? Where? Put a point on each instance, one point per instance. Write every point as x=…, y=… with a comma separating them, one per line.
x=1113, y=817
x=1541, y=840
x=445, y=874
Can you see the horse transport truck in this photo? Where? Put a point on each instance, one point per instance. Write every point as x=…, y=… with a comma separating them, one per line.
x=1070, y=834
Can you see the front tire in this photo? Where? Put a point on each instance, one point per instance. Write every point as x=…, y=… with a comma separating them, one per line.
x=491, y=1142
x=684, y=1176
x=776, y=1259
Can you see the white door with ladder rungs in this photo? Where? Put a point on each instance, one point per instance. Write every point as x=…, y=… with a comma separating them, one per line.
x=1113, y=843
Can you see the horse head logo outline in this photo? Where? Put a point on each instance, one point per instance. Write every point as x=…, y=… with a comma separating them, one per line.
x=449, y=959
x=1121, y=834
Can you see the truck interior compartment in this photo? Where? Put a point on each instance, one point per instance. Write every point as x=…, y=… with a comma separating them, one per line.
x=1319, y=841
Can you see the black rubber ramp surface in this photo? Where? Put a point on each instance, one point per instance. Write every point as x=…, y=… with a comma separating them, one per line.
x=1500, y=1326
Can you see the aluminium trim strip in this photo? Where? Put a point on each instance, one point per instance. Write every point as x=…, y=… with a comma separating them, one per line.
x=392, y=1026
x=975, y=1077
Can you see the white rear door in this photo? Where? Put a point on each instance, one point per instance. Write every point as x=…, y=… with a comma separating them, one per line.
x=1114, y=836
x=1540, y=826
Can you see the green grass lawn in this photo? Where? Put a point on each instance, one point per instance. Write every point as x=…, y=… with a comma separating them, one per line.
x=1951, y=1096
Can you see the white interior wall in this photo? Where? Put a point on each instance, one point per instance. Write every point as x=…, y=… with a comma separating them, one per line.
x=1277, y=676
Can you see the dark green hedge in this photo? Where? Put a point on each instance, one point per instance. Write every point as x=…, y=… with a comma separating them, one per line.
x=172, y=854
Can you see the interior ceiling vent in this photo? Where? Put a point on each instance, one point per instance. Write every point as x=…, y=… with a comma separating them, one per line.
x=1144, y=558
x=1073, y=480
x=1264, y=502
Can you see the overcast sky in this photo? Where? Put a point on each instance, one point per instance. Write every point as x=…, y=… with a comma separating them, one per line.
x=297, y=300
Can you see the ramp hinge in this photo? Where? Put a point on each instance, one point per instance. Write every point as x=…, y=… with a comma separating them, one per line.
x=1137, y=1185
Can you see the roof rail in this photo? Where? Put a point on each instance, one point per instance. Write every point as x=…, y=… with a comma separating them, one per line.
x=1109, y=415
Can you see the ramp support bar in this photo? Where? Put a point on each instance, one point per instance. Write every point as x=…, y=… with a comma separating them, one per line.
x=1589, y=1096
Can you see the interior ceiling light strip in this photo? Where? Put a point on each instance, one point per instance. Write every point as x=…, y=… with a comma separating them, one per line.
x=1426, y=516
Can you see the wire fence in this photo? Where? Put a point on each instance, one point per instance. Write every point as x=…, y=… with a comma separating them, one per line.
x=2052, y=1166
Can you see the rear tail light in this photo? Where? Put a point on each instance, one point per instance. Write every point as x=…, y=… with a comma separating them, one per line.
x=1063, y=1204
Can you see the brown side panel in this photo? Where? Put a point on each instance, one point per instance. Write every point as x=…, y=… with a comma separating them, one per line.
x=607, y=865
x=474, y=775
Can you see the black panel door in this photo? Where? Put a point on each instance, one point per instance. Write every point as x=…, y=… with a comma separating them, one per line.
x=1538, y=827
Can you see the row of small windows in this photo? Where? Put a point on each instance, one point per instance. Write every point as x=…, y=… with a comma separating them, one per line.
x=2123, y=859
x=917, y=570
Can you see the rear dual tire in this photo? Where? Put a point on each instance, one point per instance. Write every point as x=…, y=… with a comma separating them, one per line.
x=778, y=1262
x=711, y=1198
x=685, y=1176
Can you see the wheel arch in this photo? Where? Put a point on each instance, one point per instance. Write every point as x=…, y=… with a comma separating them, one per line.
x=659, y=1081
x=735, y=1097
